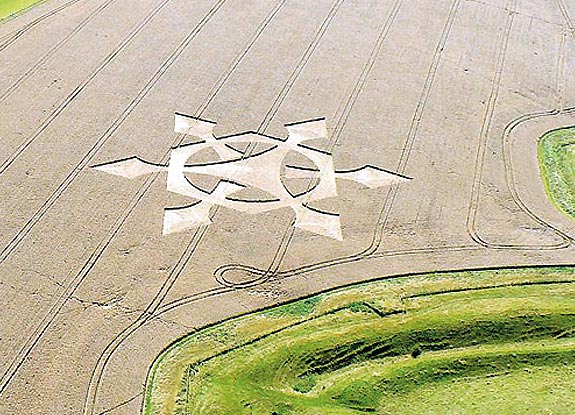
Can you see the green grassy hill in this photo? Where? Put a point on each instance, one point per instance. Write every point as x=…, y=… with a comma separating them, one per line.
x=463, y=343
x=556, y=154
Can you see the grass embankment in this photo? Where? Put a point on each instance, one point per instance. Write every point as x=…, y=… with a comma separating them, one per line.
x=556, y=153
x=466, y=343
x=9, y=8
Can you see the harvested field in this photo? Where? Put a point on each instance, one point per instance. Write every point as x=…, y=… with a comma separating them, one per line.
x=169, y=164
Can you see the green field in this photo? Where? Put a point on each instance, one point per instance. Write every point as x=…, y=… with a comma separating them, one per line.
x=11, y=7
x=479, y=342
x=556, y=154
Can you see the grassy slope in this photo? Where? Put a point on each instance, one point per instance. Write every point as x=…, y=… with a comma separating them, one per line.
x=10, y=7
x=352, y=351
x=556, y=154
x=518, y=392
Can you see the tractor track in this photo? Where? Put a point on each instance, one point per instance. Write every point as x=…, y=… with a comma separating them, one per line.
x=371, y=252
x=214, y=293
x=473, y=210
x=508, y=167
x=263, y=275
x=155, y=309
x=63, y=186
x=71, y=287
x=333, y=262
x=333, y=140
x=9, y=39
x=28, y=73
x=472, y=219
x=560, y=78
x=124, y=335
x=566, y=17
x=198, y=235
x=79, y=89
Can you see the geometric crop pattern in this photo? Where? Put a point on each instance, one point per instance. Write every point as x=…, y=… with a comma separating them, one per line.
x=238, y=169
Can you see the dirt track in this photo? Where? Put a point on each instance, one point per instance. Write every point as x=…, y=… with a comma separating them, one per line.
x=451, y=93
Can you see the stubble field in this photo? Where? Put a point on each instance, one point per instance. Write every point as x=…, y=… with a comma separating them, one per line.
x=450, y=98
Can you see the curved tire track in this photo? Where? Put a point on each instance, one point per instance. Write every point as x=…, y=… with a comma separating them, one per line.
x=198, y=235
x=508, y=166
x=472, y=218
x=262, y=275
